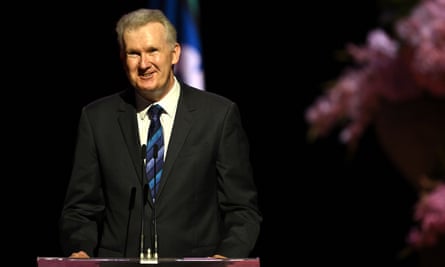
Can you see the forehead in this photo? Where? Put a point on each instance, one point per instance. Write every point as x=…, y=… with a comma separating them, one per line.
x=152, y=32
x=151, y=28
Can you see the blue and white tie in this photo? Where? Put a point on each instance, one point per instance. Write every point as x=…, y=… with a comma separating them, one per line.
x=155, y=149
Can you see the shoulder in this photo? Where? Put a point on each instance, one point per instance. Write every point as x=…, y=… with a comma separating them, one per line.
x=111, y=102
x=204, y=98
x=207, y=106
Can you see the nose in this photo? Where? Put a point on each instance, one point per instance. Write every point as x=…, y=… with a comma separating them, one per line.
x=145, y=61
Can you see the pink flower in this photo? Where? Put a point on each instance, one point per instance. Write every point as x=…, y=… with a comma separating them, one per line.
x=424, y=32
x=386, y=70
x=430, y=213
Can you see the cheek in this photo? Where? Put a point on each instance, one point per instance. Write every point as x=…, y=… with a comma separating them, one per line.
x=131, y=65
x=130, y=62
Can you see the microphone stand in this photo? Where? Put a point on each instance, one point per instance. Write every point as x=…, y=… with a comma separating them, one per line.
x=148, y=257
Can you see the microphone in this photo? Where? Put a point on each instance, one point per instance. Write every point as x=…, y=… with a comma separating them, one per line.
x=155, y=228
x=141, y=248
x=130, y=212
x=144, y=258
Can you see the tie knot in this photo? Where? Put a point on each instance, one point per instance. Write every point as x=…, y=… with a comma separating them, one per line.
x=155, y=111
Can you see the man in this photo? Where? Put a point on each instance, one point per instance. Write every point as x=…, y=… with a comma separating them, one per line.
x=206, y=202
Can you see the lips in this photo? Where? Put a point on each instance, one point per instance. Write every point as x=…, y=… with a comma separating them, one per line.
x=146, y=75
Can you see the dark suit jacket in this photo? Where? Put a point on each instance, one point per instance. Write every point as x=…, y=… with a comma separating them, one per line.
x=207, y=200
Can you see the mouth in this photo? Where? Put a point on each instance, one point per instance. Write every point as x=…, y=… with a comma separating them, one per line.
x=146, y=75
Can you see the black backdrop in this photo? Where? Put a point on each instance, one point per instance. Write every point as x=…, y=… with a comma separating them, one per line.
x=320, y=206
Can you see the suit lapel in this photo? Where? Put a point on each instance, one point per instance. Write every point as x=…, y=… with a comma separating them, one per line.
x=129, y=128
x=181, y=128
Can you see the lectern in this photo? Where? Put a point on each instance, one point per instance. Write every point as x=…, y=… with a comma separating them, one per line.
x=133, y=262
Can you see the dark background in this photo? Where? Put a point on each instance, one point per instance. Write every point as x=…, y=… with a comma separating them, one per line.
x=321, y=205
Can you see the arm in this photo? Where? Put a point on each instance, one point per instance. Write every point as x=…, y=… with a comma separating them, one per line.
x=84, y=204
x=237, y=192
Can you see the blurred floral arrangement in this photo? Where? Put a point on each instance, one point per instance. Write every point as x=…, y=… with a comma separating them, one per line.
x=386, y=70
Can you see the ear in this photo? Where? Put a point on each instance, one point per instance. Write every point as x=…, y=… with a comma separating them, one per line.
x=176, y=52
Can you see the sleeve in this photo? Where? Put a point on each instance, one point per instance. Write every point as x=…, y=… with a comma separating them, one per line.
x=83, y=207
x=237, y=191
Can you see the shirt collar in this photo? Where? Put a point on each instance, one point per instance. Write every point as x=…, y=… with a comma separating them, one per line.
x=168, y=102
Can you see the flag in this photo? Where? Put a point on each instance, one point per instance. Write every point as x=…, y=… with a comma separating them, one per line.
x=184, y=14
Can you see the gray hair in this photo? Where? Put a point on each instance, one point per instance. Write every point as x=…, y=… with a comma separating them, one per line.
x=141, y=17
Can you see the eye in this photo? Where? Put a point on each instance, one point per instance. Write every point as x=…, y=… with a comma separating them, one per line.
x=152, y=50
x=132, y=55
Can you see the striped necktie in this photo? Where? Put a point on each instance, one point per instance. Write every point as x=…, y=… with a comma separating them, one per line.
x=155, y=150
